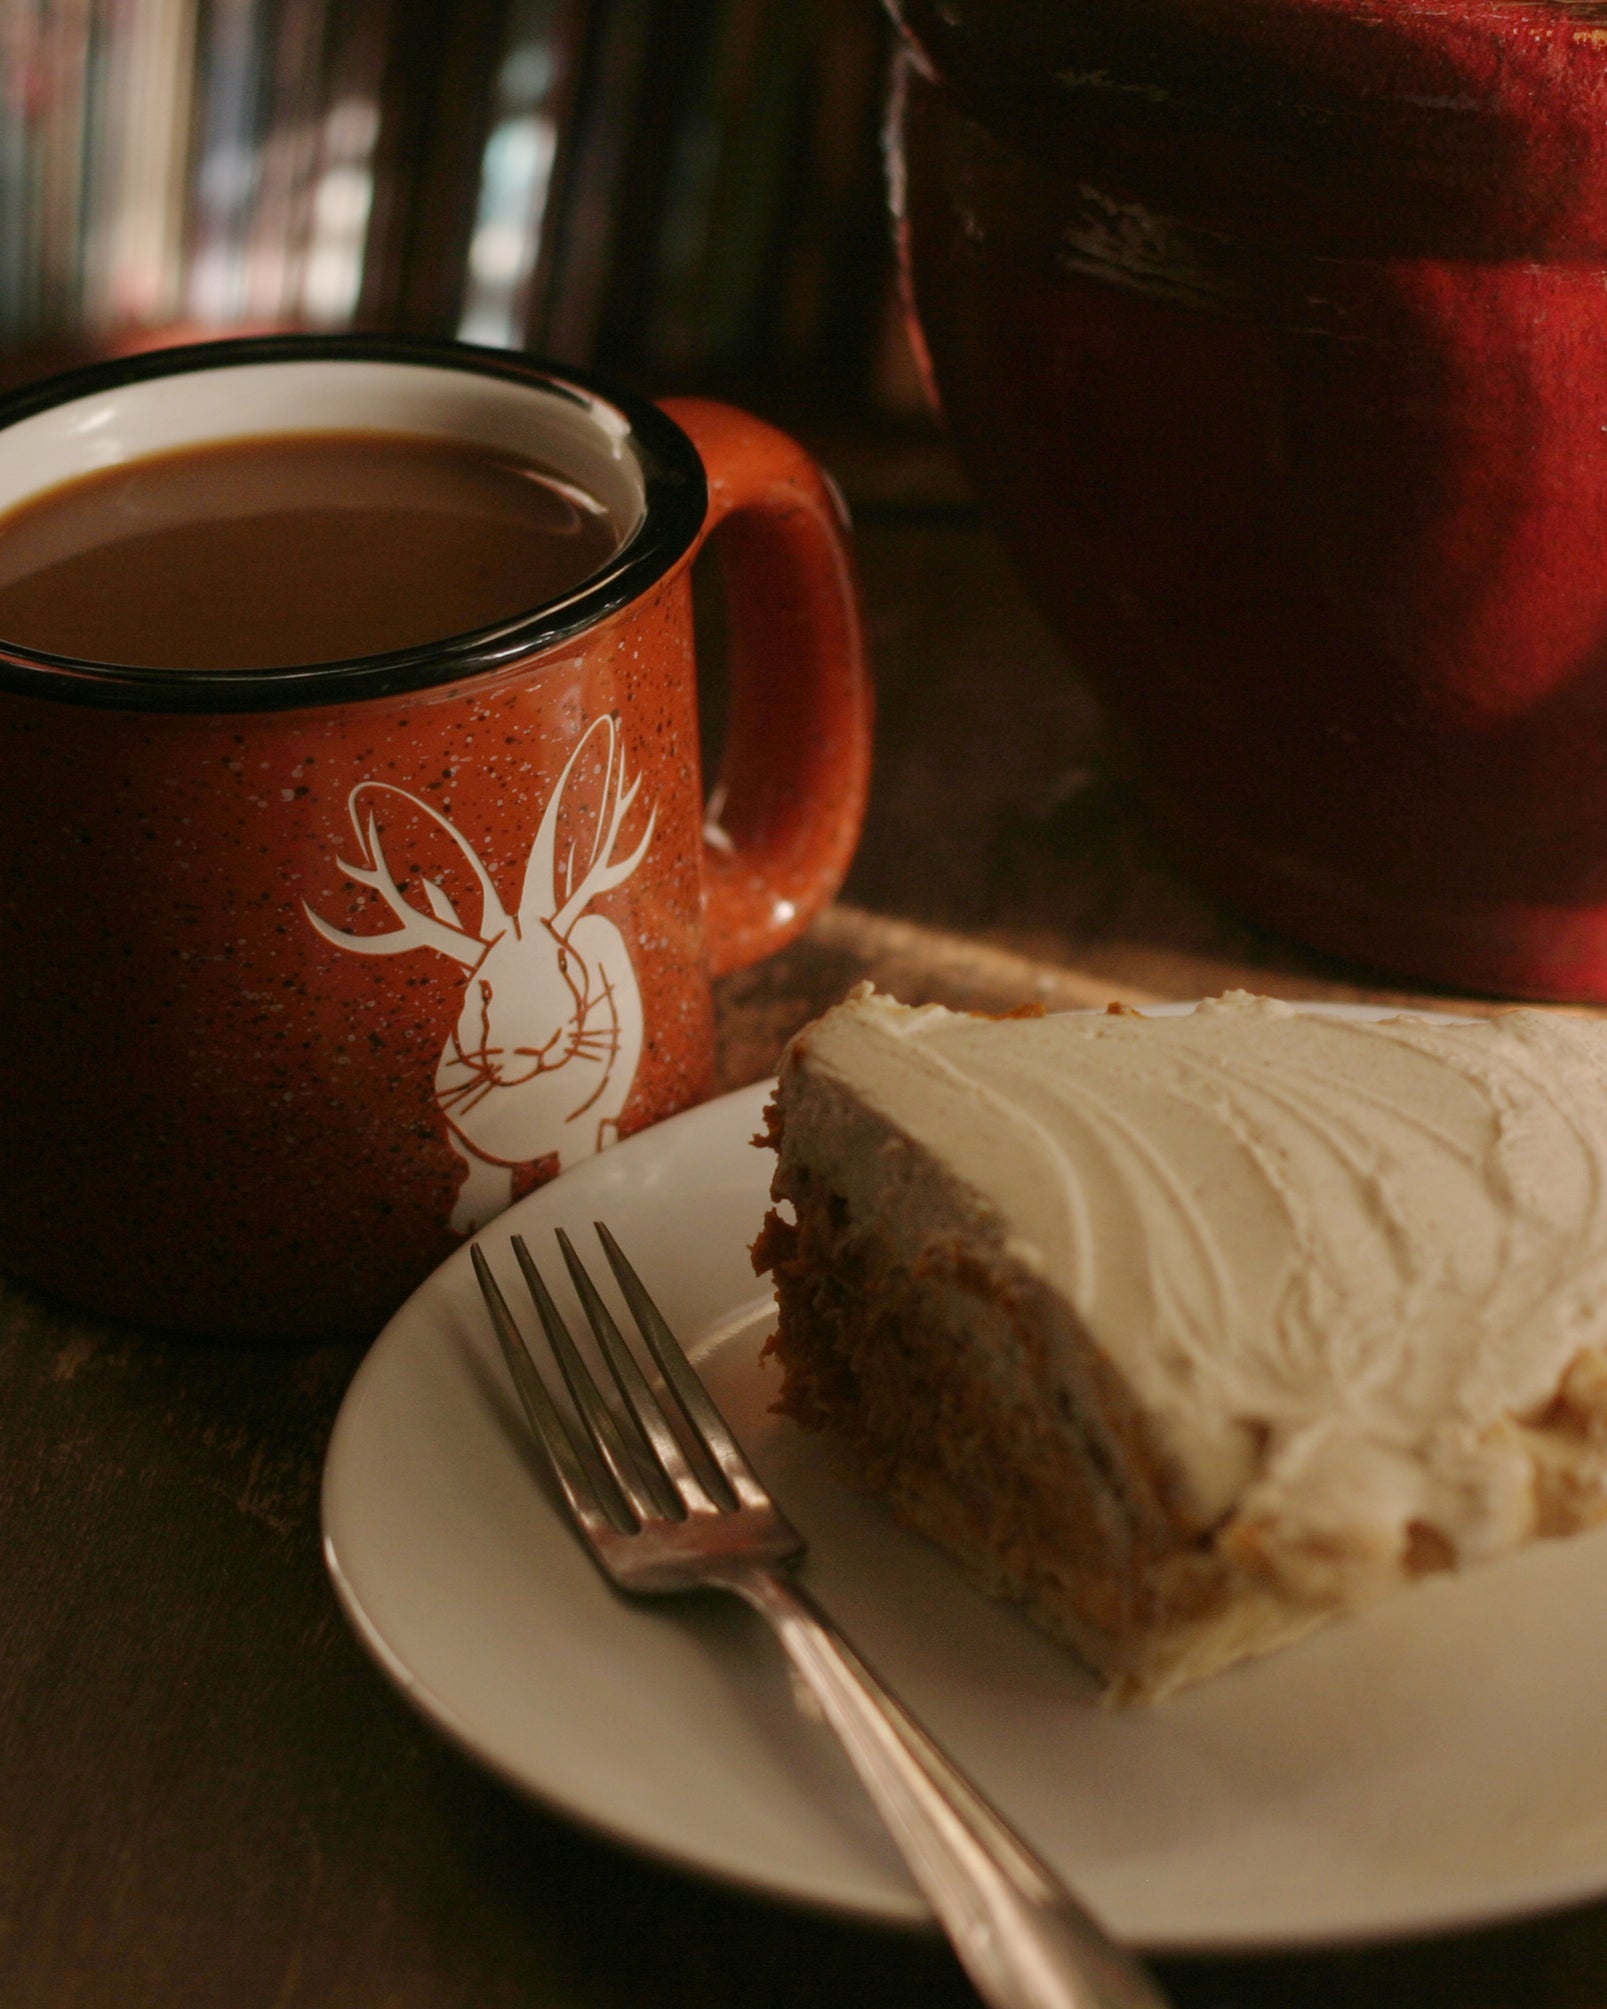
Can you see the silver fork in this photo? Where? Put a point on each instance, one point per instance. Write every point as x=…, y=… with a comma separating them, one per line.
x=655, y=1526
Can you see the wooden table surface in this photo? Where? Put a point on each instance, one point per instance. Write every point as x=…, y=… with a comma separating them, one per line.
x=209, y=1796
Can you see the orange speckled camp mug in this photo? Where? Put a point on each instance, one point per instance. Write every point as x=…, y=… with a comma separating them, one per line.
x=306, y=972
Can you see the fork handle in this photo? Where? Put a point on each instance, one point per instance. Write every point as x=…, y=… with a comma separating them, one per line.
x=1023, y=1939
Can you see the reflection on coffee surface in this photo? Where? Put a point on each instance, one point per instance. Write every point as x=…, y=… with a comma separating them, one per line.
x=292, y=549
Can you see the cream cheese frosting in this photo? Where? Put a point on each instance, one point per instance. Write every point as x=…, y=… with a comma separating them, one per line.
x=1342, y=1265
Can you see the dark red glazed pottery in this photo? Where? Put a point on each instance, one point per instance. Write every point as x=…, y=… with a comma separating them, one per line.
x=1274, y=333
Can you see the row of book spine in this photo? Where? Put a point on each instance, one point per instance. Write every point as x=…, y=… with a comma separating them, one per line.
x=684, y=190
x=745, y=197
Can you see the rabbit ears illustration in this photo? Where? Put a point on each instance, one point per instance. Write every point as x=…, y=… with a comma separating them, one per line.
x=554, y=894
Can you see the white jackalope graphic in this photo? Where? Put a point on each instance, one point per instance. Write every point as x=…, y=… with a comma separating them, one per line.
x=545, y=1048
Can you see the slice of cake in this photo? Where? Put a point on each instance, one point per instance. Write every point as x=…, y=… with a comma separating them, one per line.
x=1189, y=1333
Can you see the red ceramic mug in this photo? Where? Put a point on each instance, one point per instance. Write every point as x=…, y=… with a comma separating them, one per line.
x=309, y=971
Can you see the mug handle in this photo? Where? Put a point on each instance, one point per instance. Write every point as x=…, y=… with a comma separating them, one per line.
x=796, y=769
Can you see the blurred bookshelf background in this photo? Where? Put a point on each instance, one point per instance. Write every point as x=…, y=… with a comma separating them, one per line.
x=686, y=194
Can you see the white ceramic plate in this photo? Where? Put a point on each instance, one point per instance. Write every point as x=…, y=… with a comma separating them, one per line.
x=1440, y=1760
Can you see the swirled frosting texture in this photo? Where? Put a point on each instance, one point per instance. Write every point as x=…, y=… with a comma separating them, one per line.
x=1343, y=1266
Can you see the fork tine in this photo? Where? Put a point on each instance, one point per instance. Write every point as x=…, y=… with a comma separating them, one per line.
x=551, y=1432
x=633, y=1386
x=706, y=1422
x=635, y=1480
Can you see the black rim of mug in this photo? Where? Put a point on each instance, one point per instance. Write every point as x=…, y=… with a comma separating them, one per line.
x=676, y=503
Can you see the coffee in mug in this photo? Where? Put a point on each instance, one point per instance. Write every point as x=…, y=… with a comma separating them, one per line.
x=292, y=548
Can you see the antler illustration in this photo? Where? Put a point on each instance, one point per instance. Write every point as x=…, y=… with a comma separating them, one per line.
x=440, y=929
x=541, y=887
